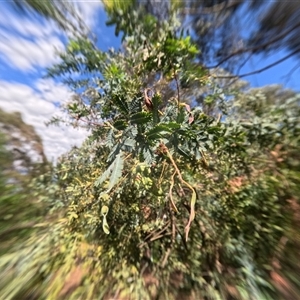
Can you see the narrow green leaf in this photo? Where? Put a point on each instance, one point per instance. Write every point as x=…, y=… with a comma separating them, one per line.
x=129, y=143
x=103, y=177
x=114, y=172
x=161, y=130
x=120, y=124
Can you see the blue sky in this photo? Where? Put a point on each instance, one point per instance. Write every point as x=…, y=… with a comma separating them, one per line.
x=27, y=48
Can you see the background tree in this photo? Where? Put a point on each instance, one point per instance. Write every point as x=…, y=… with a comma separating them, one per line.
x=20, y=210
x=25, y=147
x=229, y=33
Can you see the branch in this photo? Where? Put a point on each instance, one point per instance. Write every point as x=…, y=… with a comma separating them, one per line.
x=244, y=50
x=289, y=74
x=217, y=8
x=178, y=92
x=262, y=69
x=168, y=252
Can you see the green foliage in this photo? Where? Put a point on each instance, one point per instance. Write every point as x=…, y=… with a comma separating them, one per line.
x=161, y=202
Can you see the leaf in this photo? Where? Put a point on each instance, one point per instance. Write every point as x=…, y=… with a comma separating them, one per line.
x=121, y=103
x=114, y=172
x=120, y=124
x=72, y=215
x=172, y=125
x=183, y=152
x=105, y=196
x=149, y=158
x=103, y=177
x=140, y=118
x=129, y=142
x=162, y=129
x=110, y=141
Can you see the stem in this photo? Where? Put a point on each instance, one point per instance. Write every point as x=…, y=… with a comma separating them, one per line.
x=262, y=69
x=178, y=94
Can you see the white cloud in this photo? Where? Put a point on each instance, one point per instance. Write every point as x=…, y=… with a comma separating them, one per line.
x=28, y=27
x=88, y=10
x=46, y=87
x=26, y=55
x=29, y=43
x=36, y=109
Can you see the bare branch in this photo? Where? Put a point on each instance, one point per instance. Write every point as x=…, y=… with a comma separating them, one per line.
x=217, y=8
x=262, y=69
x=244, y=50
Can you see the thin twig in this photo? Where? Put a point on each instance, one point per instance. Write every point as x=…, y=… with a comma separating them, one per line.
x=289, y=74
x=157, y=237
x=254, y=48
x=262, y=69
x=217, y=8
x=163, y=264
x=172, y=238
x=154, y=234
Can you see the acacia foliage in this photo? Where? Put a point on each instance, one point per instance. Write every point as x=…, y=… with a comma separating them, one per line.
x=166, y=203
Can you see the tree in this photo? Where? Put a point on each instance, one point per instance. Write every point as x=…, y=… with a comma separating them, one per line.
x=25, y=146
x=229, y=32
x=162, y=200
x=18, y=208
x=219, y=26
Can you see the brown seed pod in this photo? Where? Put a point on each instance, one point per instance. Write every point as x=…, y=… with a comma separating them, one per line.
x=148, y=102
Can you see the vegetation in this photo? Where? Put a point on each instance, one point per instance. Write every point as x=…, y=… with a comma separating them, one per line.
x=16, y=135
x=19, y=210
x=230, y=32
x=164, y=200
